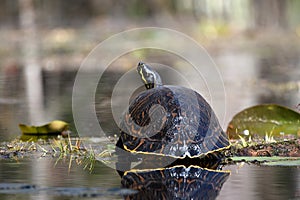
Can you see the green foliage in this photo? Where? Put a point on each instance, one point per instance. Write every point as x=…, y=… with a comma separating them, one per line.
x=243, y=141
x=270, y=121
x=284, y=163
x=266, y=160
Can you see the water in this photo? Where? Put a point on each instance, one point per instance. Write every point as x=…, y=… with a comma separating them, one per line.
x=249, y=79
x=258, y=182
x=54, y=180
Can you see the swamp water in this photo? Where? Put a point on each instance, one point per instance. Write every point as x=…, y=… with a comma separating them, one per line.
x=46, y=178
x=49, y=178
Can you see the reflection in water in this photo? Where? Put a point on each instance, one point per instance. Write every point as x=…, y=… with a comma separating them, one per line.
x=55, y=180
x=279, y=71
x=182, y=179
x=178, y=182
x=258, y=182
x=32, y=71
x=239, y=71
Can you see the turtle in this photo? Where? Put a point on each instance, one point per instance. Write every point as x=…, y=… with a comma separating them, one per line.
x=177, y=182
x=170, y=120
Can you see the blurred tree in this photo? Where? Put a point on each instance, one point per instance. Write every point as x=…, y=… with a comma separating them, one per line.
x=32, y=68
x=253, y=13
x=269, y=13
x=9, y=12
x=66, y=13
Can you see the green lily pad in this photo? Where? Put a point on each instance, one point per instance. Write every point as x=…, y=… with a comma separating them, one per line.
x=54, y=127
x=270, y=119
x=270, y=161
x=263, y=159
x=284, y=163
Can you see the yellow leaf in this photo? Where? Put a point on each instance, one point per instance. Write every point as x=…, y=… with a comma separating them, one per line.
x=54, y=127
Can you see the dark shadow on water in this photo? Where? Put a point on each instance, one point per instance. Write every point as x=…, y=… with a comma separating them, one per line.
x=163, y=177
x=177, y=182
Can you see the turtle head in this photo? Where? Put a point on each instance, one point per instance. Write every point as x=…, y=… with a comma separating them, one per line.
x=149, y=76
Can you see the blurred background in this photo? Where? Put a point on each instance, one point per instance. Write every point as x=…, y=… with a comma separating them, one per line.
x=255, y=45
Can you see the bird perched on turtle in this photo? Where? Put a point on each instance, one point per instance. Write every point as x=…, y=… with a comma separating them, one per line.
x=170, y=120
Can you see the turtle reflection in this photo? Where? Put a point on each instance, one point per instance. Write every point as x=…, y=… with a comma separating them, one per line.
x=178, y=182
x=183, y=179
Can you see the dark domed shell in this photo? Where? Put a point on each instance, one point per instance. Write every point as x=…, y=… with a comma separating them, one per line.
x=173, y=121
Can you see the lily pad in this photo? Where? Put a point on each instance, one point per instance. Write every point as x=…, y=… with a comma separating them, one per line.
x=54, y=127
x=284, y=163
x=272, y=159
x=37, y=137
x=261, y=120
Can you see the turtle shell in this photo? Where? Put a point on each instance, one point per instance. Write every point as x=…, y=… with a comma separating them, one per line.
x=172, y=121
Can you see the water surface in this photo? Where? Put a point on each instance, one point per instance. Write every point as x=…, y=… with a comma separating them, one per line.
x=249, y=79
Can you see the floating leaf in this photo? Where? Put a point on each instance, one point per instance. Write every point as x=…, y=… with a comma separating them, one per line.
x=54, y=127
x=36, y=137
x=270, y=119
x=285, y=163
x=273, y=159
